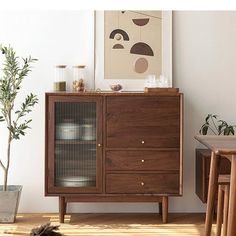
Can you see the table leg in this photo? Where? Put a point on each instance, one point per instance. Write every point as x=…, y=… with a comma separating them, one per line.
x=212, y=188
x=226, y=210
x=220, y=204
x=231, y=229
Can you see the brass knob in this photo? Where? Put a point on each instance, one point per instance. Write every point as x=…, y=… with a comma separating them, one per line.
x=142, y=142
x=142, y=183
x=142, y=160
x=99, y=145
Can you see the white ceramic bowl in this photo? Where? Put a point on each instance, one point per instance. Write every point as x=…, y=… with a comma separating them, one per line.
x=68, y=131
x=76, y=181
x=88, y=132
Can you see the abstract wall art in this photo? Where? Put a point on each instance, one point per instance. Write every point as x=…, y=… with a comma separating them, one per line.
x=132, y=44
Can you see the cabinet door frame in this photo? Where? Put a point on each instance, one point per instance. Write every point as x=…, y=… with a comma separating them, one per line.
x=50, y=187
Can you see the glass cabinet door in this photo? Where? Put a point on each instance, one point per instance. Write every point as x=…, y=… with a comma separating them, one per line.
x=76, y=148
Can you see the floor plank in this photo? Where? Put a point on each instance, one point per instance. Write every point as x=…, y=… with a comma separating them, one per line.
x=110, y=224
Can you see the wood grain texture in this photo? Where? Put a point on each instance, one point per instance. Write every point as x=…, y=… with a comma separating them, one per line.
x=219, y=144
x=226, y=209
x=143, y=122
x=220, y=204
x=181, y=143
x=203, y=160
x=165, y=209
x=114, y=198
x=62, y=209
x=138, y=224
x=132, y=128
x=231, y=229
x=142, y=183
x=213, y=183
x=50, y=140
x=161, y=90
x=110, y=94
x=142, y=160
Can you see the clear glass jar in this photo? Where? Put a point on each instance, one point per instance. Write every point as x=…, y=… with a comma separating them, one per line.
x=78, y=78
x=163, y=81
x=150, y=81
x=59, y=78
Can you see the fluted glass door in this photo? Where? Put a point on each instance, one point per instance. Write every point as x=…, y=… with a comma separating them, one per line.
x=75, y=144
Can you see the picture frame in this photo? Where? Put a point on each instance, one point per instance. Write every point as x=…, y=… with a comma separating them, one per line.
x=130, y=84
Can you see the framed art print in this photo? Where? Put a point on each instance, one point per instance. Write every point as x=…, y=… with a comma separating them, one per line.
x=131, y=45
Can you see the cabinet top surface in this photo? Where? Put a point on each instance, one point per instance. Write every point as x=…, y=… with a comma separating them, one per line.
x=107, y=93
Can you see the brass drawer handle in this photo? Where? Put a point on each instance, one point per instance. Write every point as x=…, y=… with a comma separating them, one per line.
x=142, y=142
x=99, y=145
x=142, y=161
x=142, y=183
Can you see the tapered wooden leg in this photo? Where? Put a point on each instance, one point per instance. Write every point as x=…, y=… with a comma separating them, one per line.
x=160, y=208
x=226, y=209
x=164, y=209
x=212, y=188
x=62, y=209
x=231, y=226
x=219, y=210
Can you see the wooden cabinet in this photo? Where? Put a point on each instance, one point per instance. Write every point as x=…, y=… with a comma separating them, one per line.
x=73, y=135
x=113, y=147
x=203, y=161
x=139, y=122
x=153, y=183
x=142, y=160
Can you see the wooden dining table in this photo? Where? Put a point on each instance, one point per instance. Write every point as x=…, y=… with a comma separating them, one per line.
x=220, y=146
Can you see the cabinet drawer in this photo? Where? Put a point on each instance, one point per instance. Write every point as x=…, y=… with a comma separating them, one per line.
x=142, y=183
x=143, y=122
x=142, y=160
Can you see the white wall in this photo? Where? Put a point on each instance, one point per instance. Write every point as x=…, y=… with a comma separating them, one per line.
x=204, y=68
x=54, y=37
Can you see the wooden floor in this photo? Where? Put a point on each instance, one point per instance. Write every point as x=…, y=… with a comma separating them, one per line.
x=111, y=224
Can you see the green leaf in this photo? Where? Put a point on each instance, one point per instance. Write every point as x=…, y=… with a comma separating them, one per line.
x=207, y=118
x=204, y=129
x=15, y=70
x=216, y=126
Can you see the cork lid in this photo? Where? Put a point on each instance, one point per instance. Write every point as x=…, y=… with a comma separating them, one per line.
x=79, y=66
x=60, y=66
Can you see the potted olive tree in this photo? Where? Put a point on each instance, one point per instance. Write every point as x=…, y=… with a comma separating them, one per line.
x=14, y=71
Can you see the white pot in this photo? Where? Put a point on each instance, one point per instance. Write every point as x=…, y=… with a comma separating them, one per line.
x=76, y=181
x=68, y=131
x=89, y=132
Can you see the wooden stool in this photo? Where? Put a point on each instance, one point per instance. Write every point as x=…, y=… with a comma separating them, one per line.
x=223, y=204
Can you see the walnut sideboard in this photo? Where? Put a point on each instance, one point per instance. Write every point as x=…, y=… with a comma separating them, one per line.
x=114, y=147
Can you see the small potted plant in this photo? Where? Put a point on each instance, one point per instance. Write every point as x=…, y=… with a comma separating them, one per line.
x=216, y=127
x=14, y=71
x=211, y=126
